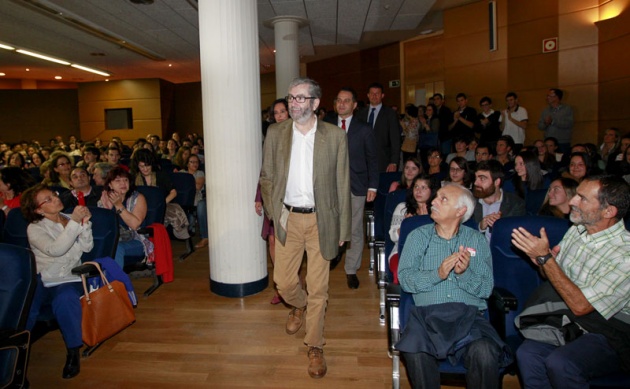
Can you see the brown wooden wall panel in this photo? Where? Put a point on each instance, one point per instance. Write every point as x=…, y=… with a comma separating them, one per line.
x=358, y=70
x=466, y=20
x=578, y=66
x=38, y=114
x=188, y=109
x=142, y=96
x=614, y=58
x=529, y=10
x=424, y=60
x=526, y=38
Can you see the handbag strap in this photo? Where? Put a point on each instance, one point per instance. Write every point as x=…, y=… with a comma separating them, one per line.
x=84, y=279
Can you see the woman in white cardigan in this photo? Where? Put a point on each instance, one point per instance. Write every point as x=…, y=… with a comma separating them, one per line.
x=58, y=240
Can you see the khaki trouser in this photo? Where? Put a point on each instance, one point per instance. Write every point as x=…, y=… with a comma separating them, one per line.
x=303, y=234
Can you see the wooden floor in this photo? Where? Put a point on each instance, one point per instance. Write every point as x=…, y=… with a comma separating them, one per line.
x=185, y=336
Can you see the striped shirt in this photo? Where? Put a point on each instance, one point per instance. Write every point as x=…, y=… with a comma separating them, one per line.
x=424, y=252
x=599, y=264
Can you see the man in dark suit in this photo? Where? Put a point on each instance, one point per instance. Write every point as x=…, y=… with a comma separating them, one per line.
x=494, y=203
x=80, y=181
x=384, y=120
x=363, y=174
x=305, y=185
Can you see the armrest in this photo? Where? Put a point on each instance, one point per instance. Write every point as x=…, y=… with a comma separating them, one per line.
x=503, y=300
x=369, y=217
x=146, y=231
x=86, y=269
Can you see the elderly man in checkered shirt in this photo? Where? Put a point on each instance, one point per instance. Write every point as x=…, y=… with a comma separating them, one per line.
x=589, y=270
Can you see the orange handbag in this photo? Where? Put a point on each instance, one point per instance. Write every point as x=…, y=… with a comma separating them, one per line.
x=106, y=310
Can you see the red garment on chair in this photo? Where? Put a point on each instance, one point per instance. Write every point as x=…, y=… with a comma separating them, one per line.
x=162, y=252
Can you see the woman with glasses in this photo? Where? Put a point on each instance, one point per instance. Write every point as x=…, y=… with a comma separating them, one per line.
x=58, y=240
x=121, y=196
x=60, y=168
x=556, y=203
x=193, y=165
x=459, y=172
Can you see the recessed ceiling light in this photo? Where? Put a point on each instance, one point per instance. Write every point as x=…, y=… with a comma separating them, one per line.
x=57, y=77
x=28, y=70
x=2, y=74
x=170, y=65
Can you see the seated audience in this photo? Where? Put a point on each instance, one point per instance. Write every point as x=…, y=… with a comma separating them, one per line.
x=417, y=202
x=145, y=167
x=193, y=164
x=556, y=203
x=588, y=283
x=493, y=202
x=461, y=150
x=58, y=240
x=60, y=168
x=13, y=181
x=459, y=172
x=448, y=269
x=503, y=154
x=530, y=182
x=120, y=195
x=101, y=169
x=580, y=166
x=180, y=158
x=81, y=183
x=437, y=168
x=412, y=168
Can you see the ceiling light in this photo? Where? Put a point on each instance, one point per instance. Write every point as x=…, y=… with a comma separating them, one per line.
x=74, y=65
x=6, y=47
x=2, y=74
x=28, y=70
x=57, y=77
x=45, y=57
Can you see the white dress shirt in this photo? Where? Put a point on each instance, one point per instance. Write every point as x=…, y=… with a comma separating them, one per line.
x=299, y=191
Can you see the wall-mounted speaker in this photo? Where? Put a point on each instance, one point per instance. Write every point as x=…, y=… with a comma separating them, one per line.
x=492, y=25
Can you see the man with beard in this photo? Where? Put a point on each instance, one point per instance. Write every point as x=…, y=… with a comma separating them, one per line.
x=589, y=271
x=305, y=185
x=493, y=202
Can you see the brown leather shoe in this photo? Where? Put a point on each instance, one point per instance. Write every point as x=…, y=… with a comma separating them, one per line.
x=295, y=320
x=202, y=243
x=316, y=362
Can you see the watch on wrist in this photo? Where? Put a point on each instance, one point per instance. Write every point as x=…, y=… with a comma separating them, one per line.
x=119, y=211
x=543, y=259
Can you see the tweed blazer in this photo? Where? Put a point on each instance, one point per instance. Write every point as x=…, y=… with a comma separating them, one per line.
x=331, y=182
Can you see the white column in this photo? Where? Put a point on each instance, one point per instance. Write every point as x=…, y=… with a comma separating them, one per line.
x=230, y=85
x=286, y=35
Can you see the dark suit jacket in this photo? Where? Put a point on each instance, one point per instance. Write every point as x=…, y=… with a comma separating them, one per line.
x=512, y=205
x=362, y=153
x=387, y=135
x=331, y=182
x=91, y=200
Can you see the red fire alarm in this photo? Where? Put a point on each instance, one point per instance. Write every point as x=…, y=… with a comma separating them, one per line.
x=550, y=45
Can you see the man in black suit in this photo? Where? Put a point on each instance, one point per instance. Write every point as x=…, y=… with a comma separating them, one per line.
x=363, y=175
x=384, y=121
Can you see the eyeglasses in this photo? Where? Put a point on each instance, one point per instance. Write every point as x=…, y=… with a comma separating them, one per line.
x=434, y=157
x=299, y=98
x=456, y=170
x=49, y=199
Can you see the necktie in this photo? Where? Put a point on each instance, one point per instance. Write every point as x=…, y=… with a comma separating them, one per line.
x=343, y=124
x=371, y=118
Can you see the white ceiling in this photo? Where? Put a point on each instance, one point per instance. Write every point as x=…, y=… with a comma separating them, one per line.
x=168, y=31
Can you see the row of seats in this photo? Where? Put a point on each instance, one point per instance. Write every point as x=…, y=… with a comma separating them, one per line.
x=515, y=276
